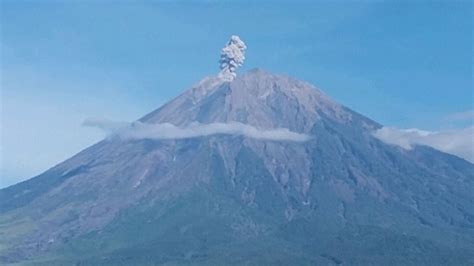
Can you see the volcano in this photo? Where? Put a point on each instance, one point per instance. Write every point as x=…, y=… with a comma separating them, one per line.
x=339, y=197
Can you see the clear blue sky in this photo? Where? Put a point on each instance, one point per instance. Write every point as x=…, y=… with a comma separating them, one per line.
x=401, y=63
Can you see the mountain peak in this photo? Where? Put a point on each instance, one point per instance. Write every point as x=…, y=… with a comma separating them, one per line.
x=257, y=97
x=341, y=176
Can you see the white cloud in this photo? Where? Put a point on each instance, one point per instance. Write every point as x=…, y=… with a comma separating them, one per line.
x=458, y=142
x=139, y=130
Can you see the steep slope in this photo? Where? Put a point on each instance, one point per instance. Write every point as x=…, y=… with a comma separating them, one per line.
x=341, y=197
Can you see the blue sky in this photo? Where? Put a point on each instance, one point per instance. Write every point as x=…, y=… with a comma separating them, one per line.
x=401, y=63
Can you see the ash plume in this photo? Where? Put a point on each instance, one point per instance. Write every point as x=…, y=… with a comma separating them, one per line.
x=232, y=57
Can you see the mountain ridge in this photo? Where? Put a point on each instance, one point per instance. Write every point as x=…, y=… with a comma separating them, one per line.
x=343, y=196
x=238, y=95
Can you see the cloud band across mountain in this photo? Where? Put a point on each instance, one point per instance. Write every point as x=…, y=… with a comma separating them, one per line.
x=139, y=130
x=458, y=142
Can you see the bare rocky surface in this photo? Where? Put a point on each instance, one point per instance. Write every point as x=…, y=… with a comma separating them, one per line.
x=341, y=198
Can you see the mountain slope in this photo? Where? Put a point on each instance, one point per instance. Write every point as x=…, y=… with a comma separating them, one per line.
x=341, y=197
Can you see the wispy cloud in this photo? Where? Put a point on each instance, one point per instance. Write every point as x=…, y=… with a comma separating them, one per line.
x=458, y=142
x=139, y=130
